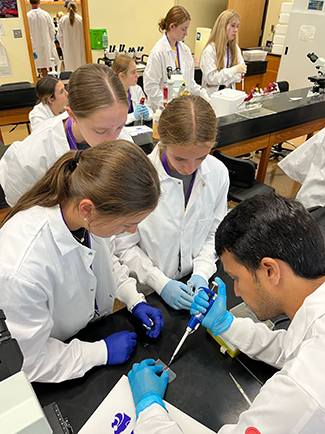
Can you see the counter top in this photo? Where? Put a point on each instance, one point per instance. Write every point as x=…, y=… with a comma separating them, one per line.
x=17, y=95
x=290, y=109
x=203, y=387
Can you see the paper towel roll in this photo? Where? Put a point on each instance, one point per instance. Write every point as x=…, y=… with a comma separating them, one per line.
x=286, y=7
x=277, y=49
x=279, y=39
x=284, y=18
x=202, y=36
x=281, y=29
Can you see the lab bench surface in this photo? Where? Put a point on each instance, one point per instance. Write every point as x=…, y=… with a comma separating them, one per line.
x=292, y=114
x=203, y=387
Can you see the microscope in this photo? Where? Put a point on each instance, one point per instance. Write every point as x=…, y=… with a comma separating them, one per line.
x=20, y=410
x=53, y=72
x=111, y=52
x=175, y=82
x=318, y=80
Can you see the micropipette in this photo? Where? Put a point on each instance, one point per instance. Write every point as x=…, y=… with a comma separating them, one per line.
x=196, y=320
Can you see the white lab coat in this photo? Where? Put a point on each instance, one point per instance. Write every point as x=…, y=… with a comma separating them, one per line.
x=71, y=40
x=306, y=165
x=41, y=112
x=172, y=232
x=136, y=94
x=43, y=33
x=291, y=401
x=49, y=283
x=155, y=73
x=225, y=76
x=26, y=162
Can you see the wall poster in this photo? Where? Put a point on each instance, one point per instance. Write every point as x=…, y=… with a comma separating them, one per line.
x=8, y=9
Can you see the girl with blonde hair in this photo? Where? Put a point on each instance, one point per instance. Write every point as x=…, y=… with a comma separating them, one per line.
x=125, y=67
x=71, y=38
x=57, y=271
x=221, y=61
x=177, y=238
x=170, y=51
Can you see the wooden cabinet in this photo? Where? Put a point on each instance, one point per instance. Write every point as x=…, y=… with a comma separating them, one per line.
x=250, y=82
x=272, y=69
x=262, y=80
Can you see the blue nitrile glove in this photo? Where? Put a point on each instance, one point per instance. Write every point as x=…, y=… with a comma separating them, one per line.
x=175, y=294
x=141, y=110
x=120, y=346
x=218, y=319
x=35, y=55
x=197, y=281
x=147, y=387
x=144, y=313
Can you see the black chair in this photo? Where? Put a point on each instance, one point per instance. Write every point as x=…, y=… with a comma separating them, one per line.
x=243, y=183
x=65, y=75
x=318, y=213
x=278, y=150
x=15, y=87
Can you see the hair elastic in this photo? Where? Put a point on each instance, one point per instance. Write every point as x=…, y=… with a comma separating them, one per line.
x=77, y=156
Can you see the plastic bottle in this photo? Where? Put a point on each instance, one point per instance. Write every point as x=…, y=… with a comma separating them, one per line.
x=105, y=40
x=155, y=122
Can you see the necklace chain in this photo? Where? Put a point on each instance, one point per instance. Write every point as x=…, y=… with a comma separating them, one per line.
x=82, y=239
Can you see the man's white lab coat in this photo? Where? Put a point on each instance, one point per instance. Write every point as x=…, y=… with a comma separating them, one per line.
x=49, y=283
x=71, y=40
x=174, y=241
x=43, y=32
x=306, y=165
x=291, y=401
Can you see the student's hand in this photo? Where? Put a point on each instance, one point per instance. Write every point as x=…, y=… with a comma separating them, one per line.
x=197, y=282
x=120, y=346
x=175, y=294
x=242, y=68
x=141, y=110
x=218, y=319
x=145, y=313
x=147, y=387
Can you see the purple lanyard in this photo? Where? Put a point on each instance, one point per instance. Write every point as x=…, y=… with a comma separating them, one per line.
x=177, y=53
x=71, y=139
x=130, y=102
x=228, y=56
x=166, y=167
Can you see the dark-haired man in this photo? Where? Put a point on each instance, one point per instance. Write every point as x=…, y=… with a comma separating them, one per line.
x=274, y=251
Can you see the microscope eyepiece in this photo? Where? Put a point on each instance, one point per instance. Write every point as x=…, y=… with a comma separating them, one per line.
x=312, y=57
